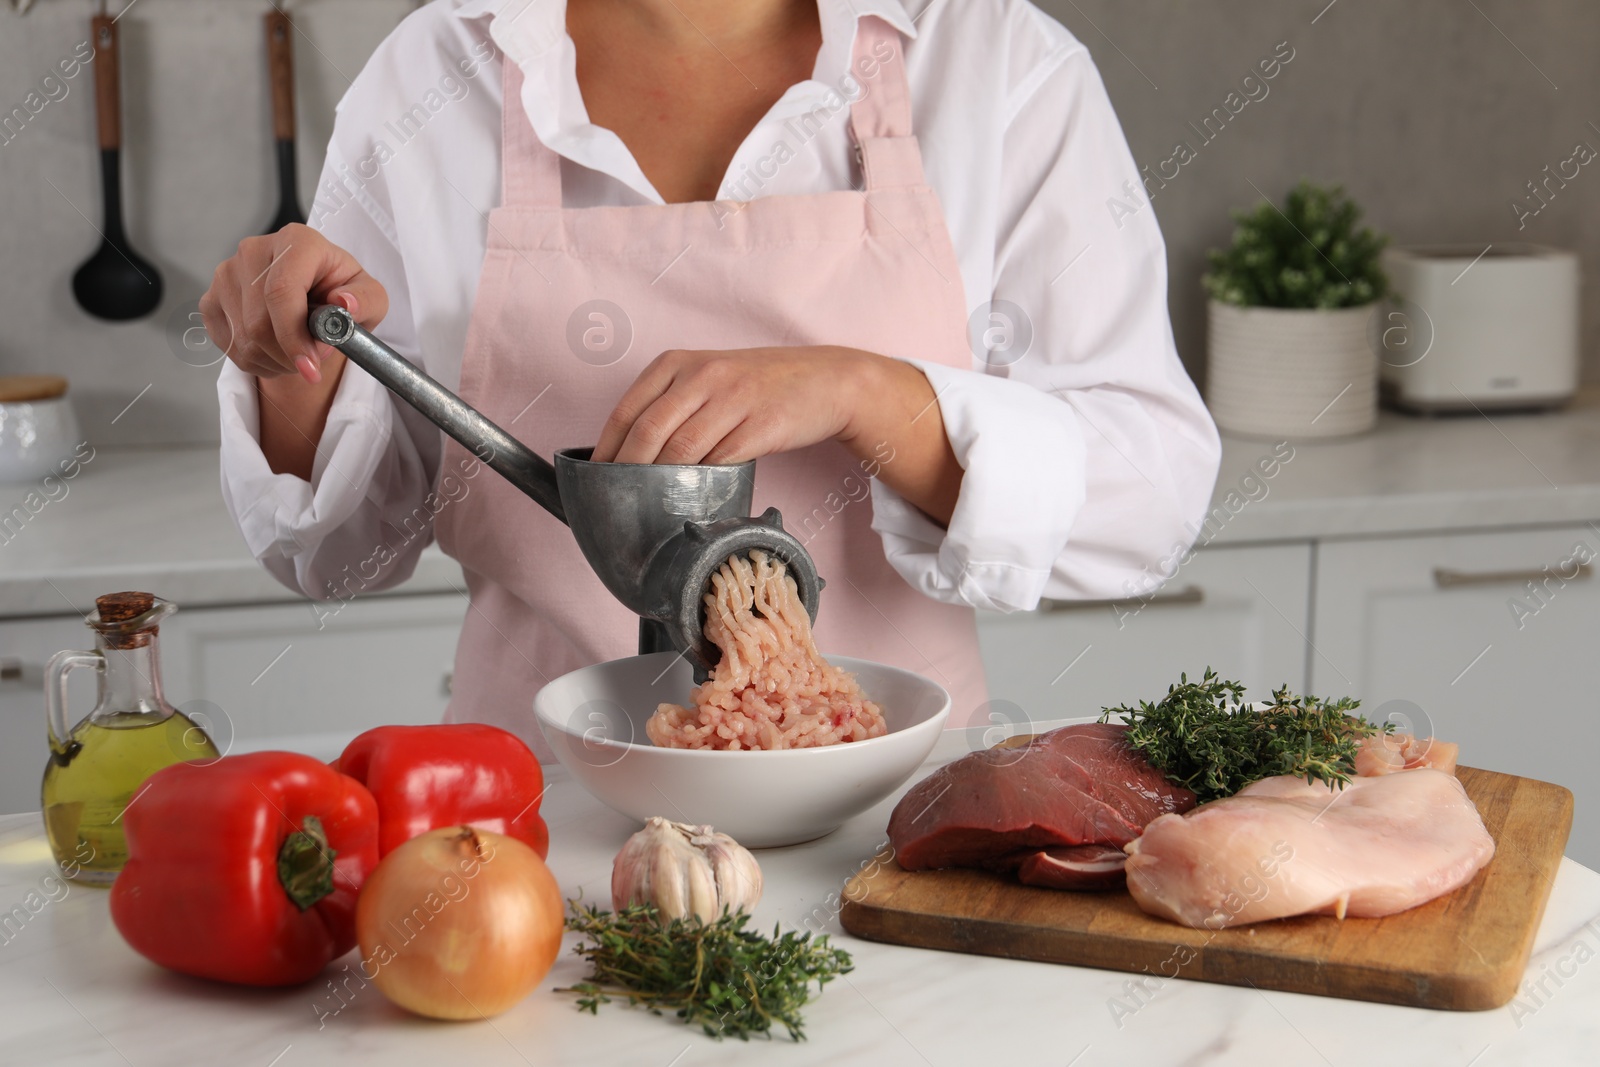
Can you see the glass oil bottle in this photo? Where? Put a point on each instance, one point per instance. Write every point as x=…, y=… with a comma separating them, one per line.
x=97, y=767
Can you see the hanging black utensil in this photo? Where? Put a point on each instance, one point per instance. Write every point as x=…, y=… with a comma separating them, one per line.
x=115, y=283
x=280, y=66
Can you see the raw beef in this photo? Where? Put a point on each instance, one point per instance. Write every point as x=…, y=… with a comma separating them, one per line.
x=1079, y=867
x=1283, y=846
x=1076, y=786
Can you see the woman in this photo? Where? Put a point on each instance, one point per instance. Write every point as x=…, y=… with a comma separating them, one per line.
x=699, y=231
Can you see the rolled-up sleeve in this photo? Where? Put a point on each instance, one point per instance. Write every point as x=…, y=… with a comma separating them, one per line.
x=1088, y=456
x=361, y=522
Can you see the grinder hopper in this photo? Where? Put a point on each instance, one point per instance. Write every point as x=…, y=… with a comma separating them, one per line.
x=654, y=533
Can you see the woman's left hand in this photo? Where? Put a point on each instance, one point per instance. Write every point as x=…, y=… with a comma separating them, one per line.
x=736, y=405
x=732, y=406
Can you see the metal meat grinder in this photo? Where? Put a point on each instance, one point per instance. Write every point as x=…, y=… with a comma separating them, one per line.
x=654, y=533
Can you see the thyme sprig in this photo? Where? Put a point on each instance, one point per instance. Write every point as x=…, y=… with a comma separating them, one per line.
x=1204, y=737
x=718, y=975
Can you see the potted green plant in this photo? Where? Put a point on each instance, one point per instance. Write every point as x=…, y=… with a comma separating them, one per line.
x=1288, y=350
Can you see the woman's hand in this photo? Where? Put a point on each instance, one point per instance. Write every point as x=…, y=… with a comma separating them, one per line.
x=728, y=407
x=255, y=312
x=733, y=406
x=256, y=308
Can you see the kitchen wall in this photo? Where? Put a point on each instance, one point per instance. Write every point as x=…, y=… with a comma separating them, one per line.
x=1434, y=113
x=198, y=174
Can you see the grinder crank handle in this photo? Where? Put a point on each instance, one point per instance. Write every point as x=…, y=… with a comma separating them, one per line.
x=504, y=454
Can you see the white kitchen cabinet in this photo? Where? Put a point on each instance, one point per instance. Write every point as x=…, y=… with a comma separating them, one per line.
x=1435, y=622
x=1241, y=610
x=26, y=645
x=277, y=679
x=262, y=676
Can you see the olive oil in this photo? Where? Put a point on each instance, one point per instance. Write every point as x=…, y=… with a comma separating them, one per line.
x=91, y=782
x=97, y=770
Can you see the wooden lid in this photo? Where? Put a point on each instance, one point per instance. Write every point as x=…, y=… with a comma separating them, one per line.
x=24, y=387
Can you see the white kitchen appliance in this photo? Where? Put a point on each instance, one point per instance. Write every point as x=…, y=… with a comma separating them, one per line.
x=1474, y=327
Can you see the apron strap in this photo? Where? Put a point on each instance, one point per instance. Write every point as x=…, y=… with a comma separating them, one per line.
x=530, y=173
x=880, y=120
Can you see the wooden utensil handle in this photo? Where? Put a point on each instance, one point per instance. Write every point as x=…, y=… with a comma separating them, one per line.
x=107, y=98
x=280, y=67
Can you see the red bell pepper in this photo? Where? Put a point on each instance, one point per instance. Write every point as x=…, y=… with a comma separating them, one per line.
x=453, y=774
x=246, y=869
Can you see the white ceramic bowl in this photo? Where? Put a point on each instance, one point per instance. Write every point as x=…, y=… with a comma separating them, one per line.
x=594, y=720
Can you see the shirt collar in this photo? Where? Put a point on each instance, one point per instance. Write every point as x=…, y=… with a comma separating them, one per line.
x=533, y=34
x=539, y=24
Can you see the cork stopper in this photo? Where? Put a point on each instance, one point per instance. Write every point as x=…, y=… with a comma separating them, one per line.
x=118, y=609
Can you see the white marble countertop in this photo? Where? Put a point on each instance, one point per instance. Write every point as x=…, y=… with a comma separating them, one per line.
x=144, y=519
x=154, y=518
x=71, y=993
x=1416, y=475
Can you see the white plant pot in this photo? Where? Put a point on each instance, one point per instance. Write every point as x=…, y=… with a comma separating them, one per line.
x=1291, y=373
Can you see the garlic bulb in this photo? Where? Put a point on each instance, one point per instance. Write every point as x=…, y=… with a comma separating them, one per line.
x=684, y=870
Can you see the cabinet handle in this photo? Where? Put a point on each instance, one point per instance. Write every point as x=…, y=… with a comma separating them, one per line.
x=11, y=669
x=1445, y=578
x=1189, y=594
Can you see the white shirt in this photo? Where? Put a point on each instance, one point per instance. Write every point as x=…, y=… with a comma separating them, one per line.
x=1089, y=458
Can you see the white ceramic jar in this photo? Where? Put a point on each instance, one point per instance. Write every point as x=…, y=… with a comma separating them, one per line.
x=37, y=427
x=1291, y=373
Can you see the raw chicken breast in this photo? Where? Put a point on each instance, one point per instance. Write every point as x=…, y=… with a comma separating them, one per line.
x=1284, y=846
x=1387, y=753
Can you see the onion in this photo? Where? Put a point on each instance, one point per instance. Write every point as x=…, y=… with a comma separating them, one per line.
x=459, y=923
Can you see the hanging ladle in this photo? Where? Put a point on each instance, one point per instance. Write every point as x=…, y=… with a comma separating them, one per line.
x=115, y=283
x=654, y=533
x=280, y=68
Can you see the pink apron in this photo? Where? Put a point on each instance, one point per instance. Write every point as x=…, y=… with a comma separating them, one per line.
x=873, y=270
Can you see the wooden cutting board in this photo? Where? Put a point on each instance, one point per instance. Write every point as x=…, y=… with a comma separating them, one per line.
x=1465, y=951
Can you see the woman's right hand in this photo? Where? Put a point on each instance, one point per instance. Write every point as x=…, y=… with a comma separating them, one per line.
x=256, y=308
x=255, y=312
